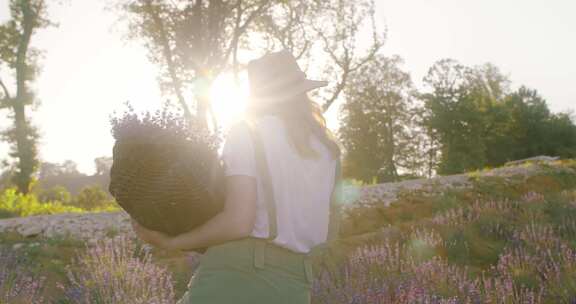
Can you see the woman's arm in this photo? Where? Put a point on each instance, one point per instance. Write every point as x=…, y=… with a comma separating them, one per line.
x=234, y=222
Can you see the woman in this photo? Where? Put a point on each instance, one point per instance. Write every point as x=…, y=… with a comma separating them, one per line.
x=282, y=165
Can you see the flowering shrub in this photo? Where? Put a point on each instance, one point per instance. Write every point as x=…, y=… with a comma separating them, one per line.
x=14, y=204
x=117, y=271
x=487, y=251
x=17, y=285
x=167, y=125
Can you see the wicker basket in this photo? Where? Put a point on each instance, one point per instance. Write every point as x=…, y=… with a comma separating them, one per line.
x=171, y=188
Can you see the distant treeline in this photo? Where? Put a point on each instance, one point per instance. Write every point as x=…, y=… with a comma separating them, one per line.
x=58, y=188
x=53, y=179
x=467, y=118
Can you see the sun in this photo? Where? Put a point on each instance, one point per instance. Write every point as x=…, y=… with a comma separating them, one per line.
x=229, y=99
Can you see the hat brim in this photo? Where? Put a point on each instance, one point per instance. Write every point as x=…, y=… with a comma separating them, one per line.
x=302, y=87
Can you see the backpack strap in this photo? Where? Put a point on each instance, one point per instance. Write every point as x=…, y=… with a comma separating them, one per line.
x=335, y=197
x=268, y=190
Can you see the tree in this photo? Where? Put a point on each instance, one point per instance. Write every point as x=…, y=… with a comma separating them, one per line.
x=103, y=165
x=193, y=42
x=426, y=141
x=287, y=26
x=376, y=121
x=16, y=55
x=465, y=111
x=562, y=136
x=50, y=170
x=92, y=197
x=453, y=116
x=339, y=26
x=479, y=122
x=330, y=29
x=537, y=131
x=66, y=174
x=55, y=194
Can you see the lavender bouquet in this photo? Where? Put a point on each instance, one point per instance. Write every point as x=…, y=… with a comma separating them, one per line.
x=166, y=172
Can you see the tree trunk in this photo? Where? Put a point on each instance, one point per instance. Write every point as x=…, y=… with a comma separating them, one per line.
x=24, y=140
x=25, y=150
x=168, y=56
x=390, y=170
x=204, y=110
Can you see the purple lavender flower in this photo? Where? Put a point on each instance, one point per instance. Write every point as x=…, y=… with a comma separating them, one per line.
x=115, y=271
x=17, y=284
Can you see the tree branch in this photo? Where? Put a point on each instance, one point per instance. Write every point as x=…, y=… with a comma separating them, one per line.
x=239, y=30
x=346, y=61
x=235, y=44
x=254, y=14
x=22, y=51
x=339, y=88
x=168, y=56
x=5, y=102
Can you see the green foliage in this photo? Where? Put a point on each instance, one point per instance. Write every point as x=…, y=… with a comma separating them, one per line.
x=469, y=120
x=17, y=56
x=56, y=193
x=535, y=130
x=478, y=122
x=14, y=204
x=461, y=110
x=93, y=198
x=376, y=121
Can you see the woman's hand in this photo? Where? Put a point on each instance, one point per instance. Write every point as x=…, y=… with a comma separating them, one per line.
x=236, y=221
x=154, y=238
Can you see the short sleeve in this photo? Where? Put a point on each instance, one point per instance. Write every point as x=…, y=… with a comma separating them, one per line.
x=238, y=153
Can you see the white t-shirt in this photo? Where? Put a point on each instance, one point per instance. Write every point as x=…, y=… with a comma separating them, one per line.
x=302, y=187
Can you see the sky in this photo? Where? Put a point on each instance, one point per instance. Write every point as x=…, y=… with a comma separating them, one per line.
x=89, y=70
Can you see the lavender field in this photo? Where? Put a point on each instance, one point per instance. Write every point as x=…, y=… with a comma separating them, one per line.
x=492, y=251
x=504, y=240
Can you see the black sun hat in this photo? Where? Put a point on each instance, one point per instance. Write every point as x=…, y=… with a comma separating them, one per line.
x=277, y=77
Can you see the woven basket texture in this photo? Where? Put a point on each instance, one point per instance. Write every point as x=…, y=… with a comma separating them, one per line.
x=171, y=188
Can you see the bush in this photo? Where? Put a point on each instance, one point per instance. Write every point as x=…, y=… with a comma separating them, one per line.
x=17, y=284
x=118, y=271
x=93, y=198
x=56, y=193
x=13, y=204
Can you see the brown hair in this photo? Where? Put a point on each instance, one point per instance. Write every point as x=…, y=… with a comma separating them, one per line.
x=302, y=118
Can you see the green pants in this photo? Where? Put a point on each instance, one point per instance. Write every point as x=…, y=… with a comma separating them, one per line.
x=250, y=271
